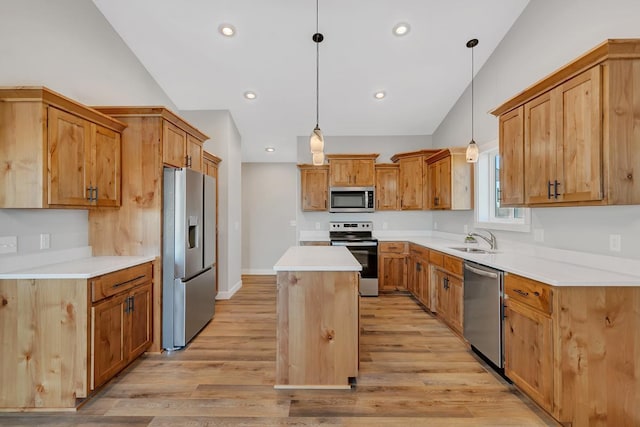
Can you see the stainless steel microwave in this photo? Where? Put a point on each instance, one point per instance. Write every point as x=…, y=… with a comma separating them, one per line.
x=351, y=199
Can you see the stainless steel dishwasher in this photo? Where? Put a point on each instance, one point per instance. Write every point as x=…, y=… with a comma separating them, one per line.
x=483, y=311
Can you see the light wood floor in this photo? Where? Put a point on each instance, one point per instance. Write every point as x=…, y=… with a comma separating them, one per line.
x=413, y=372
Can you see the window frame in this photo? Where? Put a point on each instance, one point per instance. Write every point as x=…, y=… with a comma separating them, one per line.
x=484, y=210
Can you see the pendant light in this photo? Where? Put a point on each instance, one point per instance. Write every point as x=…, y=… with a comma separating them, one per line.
x=472, y=148
x=316, y=142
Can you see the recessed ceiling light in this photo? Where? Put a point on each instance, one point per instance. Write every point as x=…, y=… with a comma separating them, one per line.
x=227, y=30
x=250, y=95
x=269, y=149
x=380, y=94
x=401, y=29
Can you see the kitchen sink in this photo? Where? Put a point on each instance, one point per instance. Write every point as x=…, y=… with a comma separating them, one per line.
x=473, y=250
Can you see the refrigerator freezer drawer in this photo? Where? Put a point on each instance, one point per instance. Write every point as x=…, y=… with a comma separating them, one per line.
x=193, y=308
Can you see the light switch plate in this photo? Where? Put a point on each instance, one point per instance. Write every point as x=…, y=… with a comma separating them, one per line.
x=45, y=241
x=538, y=235
x=8, y=244
x=615, y=242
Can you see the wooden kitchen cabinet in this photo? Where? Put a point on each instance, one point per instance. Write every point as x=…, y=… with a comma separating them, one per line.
x=392, y=266
x=179, y=148
x=413, y=179
x=450, y=180
x=210, y=167
x=448, y=286
x=314, y=187
x=136, y=228
x=79, y=333
x=420, y=285
x=121, y=320
x=351, y=170
x=387, y=175
x=511, y=137
x=57, y=152
x=528, y=345
x=578, y=132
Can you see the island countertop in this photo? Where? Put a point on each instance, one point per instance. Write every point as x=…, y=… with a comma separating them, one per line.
x=317, y=258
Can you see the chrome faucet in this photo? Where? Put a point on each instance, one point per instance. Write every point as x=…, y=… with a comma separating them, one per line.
x=491, y=240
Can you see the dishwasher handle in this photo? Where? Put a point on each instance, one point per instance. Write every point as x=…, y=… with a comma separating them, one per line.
x=481, y=272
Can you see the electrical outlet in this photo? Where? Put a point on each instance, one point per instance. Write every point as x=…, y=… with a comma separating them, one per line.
x=8, y=244
x=317, y=226
x=466, y=229
x=45, y=241
x=435, y=225
x=385, y=225
x=615, y=242
x=538, y=235
x=292, y=223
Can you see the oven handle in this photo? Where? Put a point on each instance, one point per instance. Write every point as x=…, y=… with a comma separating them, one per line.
x=354, y=244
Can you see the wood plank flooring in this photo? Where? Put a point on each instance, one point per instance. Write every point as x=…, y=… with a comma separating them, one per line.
x=413, y=371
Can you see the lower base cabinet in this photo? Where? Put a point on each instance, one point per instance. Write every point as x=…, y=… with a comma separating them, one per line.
x=448, y=287
x=575, y=350
x=392, y=266
x=63, y=338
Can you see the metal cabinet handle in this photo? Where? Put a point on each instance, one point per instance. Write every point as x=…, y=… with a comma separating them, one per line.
x=549, y=189
x=555, y=188
x=519, y=292
x=95, y=194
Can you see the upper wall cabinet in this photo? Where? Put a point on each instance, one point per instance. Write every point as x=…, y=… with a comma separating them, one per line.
x=55, y=152
x=314, y=186
x=413, y=179
x=351, y=170
x=450, y=180
x=571, y=139
x=387, y=186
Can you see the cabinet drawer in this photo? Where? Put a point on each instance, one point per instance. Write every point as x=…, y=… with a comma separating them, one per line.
x=120, y=281
x=436, y=258
x=392, y=247
x=529, y=292
x=452, y=264
x=419, y=251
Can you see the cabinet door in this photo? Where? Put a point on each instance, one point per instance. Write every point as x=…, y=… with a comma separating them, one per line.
x=108, y=354
x=442, y=296
x=511, y=143
x=455, y=308
x=444, y=174
x=69, y=144
x=139, y=321
x=194, y=153
x=363, y=174
x=391, y=272
x=174, y=142
x=387, y=189
x=105, y=166
x=528, y=352
x=314, y=183
x=341, y=172
x=411, y=183
x=422, y=280
x=579, y=138
x=539, y=146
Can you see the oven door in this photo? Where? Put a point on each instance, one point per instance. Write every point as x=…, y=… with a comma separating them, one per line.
x=366, y=252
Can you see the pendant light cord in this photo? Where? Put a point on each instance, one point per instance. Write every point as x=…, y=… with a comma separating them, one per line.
x=472, y=93
x=317, y=64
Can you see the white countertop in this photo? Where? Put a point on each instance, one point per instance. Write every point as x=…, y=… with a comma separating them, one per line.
x=545, y=270
x=84, y=268
x=317, y=258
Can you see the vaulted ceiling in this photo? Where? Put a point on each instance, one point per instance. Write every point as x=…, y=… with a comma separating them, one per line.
x=422, y=73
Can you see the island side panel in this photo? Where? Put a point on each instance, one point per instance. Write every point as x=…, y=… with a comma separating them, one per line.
x=317, y=328
x=44, y=331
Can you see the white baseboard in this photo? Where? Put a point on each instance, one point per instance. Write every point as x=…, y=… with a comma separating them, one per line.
x=228, y=294
x=259, y=271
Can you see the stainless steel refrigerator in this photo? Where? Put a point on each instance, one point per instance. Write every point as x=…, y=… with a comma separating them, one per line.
x=188, y=271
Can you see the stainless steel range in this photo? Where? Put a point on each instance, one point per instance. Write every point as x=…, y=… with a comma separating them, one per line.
x=357, y=236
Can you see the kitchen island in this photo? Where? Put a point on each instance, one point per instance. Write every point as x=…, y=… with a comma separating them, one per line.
x=317, y=317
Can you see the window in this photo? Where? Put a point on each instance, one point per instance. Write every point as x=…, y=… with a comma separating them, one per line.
x=489, y=213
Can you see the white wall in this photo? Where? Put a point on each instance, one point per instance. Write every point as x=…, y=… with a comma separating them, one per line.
x=269, y=199
x=225, y=143
x=68, y=46
x=548, y=34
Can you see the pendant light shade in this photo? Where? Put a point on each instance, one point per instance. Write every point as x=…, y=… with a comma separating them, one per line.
x=472, y=148
x=316, y=141
x=318, y=159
